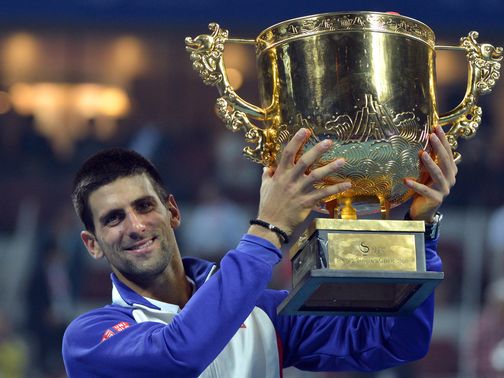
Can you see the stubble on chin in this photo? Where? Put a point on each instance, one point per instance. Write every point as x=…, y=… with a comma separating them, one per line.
x=145, y=271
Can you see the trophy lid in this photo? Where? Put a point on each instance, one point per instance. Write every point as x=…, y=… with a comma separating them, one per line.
x=325, y=23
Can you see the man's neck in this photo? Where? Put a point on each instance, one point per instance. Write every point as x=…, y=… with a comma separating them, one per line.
x=172, y=286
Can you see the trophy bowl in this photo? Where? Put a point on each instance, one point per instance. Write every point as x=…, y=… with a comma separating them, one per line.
x=365, y=80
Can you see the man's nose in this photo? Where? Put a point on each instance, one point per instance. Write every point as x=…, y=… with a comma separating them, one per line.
x=136, y=224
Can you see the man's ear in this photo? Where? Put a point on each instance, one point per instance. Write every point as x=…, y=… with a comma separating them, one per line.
x=172, y=207
x=91, y=244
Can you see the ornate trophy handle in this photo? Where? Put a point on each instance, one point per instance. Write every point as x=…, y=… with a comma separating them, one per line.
x=484, y=67
x=207, y=59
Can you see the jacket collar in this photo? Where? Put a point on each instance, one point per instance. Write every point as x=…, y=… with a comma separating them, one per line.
x=197, y=270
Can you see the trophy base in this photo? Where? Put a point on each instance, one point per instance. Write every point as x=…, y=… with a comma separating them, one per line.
x=331, y=292
x=349, y=267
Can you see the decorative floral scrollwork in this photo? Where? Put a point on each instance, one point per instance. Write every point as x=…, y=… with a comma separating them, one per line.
x=335, y=22
x=485, y=60
x=206, y=53
x=470, y=124
x=264, y=147
x=484, y=66
x=466, y=127
x=233, y=119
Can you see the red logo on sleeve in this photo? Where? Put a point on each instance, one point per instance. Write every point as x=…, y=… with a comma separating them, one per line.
x=108, y=333
x=115, y=329
x=121, y=326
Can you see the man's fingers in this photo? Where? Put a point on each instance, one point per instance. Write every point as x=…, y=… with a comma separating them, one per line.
x=324, y=171
x=320, y=209
x=292, y=148
x=424, y=191
x=436, y=174
x=320, y=194
x=327, y=169
x=439, y=132
x=311, y=156
x=445, y=159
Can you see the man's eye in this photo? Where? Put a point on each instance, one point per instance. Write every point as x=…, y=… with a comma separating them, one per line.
x=113, y=220
x=145, y=206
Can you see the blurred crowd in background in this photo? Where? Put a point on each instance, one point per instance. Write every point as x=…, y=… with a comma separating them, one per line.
x=66, y=93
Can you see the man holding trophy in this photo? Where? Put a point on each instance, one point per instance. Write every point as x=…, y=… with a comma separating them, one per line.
x=182, y=317
x=177, y=317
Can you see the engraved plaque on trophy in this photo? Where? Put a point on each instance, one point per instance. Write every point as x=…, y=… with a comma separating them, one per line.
x=365, y=80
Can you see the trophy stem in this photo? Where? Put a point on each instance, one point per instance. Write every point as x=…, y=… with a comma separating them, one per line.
x=384, y=208
x=348, y=211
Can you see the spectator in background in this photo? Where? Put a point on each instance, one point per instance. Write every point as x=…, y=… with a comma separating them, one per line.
x=219, y=223
x=488, y=344
x=13, y=351
x=495, y=244
x=50, y=308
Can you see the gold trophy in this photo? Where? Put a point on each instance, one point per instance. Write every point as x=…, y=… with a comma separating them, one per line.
x=365, y=80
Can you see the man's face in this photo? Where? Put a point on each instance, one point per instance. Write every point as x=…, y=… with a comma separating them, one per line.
x=133, y=228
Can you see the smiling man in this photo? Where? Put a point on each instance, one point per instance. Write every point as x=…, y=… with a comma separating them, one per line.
x=175, y=317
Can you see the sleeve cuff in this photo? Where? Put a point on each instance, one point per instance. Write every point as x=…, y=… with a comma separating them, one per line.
x=252, y=244
x=432, y=259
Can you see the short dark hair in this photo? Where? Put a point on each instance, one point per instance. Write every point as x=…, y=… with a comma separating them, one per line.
x=105, y=167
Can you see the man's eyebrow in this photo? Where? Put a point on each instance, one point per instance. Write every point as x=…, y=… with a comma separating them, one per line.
x=142, y=199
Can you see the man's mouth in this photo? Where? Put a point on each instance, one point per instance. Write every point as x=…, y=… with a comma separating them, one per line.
x=141, y=246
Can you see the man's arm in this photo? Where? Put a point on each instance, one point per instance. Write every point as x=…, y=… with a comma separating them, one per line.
x=193, y=338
